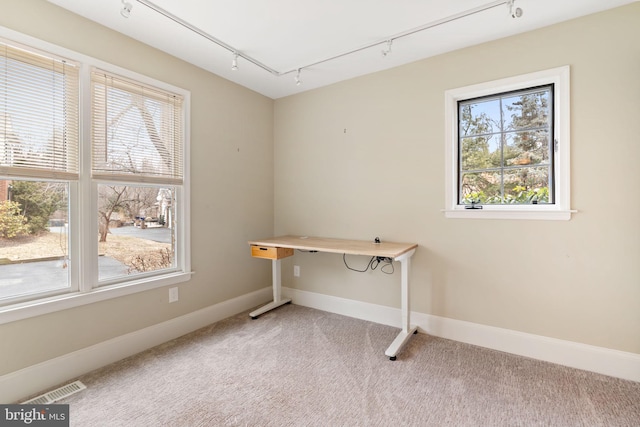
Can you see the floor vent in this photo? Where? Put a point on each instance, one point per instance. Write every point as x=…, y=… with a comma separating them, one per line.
x=57, y=394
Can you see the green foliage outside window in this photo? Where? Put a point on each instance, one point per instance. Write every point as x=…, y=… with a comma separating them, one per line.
x=522, y=195
x=12, y=222
x=38, y=201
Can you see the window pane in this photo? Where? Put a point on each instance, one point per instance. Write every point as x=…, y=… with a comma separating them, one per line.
x=527, y=185
x=480, y=152
x=480, y=187
x=527, y=111
x=527, y=148
x=136, y=225
x=479, y=117
x=137, y=131
x=34, y=238
x=38, y=115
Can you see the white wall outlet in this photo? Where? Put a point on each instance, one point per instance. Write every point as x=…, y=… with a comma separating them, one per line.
x=173, y=294
x=296, y=270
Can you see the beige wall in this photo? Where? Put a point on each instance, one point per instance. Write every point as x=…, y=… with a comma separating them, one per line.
x=232, y=178
x=577, y=280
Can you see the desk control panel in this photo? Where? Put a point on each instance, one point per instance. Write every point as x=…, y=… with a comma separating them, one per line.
x=270, y=252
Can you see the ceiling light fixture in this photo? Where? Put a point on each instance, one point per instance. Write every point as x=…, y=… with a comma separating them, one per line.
x=298, y=81
x=234, y=63
x=126, y=9
x=515, y=13
x=387, y=50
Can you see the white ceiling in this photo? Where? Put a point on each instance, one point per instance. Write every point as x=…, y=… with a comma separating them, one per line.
x=289, y=34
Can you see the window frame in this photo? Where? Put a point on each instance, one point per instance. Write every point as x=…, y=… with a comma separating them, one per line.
x=560, y=210
x=83, y=253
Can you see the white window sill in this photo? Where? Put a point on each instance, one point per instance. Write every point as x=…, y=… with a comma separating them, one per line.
x=25, y=310
x=492, y=212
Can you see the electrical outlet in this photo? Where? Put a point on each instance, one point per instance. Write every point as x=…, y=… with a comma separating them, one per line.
x=296, y=270
x=173, y=294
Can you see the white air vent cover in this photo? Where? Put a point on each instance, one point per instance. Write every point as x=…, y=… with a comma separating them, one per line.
x=57, y=394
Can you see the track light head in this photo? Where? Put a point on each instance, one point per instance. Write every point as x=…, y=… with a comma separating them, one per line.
x=298, y=81
x=387, y=49
x=234, y=62
x=126, y=9
x=515, y=12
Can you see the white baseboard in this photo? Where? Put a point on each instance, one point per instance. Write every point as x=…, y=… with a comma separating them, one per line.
x=34, y=379
x=601, y=360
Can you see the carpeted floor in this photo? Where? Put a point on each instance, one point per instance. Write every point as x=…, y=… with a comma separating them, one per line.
x=297, y=366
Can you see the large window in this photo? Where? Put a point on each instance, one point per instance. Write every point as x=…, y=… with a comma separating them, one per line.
x=137, y=137
x=93, y=180
x=38, y=145
x=508, y=148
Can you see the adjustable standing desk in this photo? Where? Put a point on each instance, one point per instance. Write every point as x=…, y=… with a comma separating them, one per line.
x=277, y=248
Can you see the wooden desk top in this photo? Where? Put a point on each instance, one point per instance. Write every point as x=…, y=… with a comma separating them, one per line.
x=339, y=246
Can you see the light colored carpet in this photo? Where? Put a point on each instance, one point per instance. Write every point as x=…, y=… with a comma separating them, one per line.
x=297, y=366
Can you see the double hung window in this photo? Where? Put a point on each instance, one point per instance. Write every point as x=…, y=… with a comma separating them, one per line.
x=39, y=168
x=137, y=146
x=93, y=180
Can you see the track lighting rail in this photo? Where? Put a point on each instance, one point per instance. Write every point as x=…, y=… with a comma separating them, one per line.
x=207, y=36
x=387, y=41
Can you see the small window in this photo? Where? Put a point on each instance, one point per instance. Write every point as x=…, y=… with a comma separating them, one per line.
x=508, y=148
x=505, y=148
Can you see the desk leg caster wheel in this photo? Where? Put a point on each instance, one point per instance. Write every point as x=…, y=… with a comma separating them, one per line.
x=392, y=358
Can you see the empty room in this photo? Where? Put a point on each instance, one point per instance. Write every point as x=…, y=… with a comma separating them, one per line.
x=336, y=213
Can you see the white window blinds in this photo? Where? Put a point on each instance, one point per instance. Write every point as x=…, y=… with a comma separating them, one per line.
x=137, y=131
x=38, y=114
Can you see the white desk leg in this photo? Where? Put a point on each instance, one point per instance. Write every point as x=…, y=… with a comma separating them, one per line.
x=407, y=329
x=276, y=267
